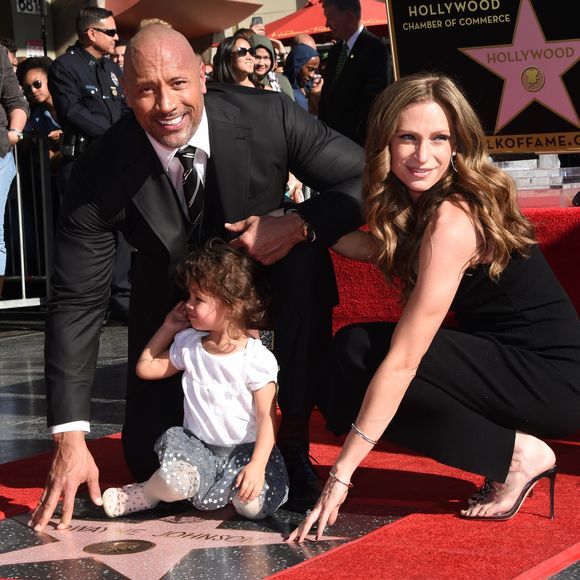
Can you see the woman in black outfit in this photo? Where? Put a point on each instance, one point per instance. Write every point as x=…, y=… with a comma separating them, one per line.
x=484, y=395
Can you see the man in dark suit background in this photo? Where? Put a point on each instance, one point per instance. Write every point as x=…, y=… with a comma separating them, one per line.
x=243, y=164
x=356, y=72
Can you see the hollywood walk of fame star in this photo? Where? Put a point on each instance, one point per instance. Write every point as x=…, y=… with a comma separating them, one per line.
x=168, y=541
x=531, y=67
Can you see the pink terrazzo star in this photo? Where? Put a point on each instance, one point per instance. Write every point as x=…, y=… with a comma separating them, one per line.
x=532, y=69
x=174, y=538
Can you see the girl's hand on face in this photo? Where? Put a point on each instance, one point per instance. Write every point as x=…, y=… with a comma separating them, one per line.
x=250, y=482
x=177, y=318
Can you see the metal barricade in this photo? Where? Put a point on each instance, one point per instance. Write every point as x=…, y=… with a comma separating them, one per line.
x=29, y=226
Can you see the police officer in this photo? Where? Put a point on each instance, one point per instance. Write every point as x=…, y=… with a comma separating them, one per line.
x=88, y=98
x=84, y=83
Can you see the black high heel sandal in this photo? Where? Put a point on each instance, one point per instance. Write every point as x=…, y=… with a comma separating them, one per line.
x=482, y=493
x=527, y=490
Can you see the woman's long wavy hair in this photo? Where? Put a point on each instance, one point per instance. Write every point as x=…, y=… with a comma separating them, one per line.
x=490, y=194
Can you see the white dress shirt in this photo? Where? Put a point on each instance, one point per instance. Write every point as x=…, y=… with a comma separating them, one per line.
x=172, y=165
x=350, y=42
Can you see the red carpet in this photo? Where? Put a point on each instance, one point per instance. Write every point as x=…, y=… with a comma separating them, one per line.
x=429, y=542
x=433, y=542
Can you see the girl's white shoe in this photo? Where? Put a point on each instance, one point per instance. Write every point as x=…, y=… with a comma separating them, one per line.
x=119, y=501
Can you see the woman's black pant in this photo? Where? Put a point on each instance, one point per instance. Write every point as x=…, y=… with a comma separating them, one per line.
x=469, y=396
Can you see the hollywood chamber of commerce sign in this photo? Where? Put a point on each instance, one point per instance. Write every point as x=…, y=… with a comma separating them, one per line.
x=518, y=61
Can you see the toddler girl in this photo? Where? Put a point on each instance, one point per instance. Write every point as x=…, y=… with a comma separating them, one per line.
x=225, y=452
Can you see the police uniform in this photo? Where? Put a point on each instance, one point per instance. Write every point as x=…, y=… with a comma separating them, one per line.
x=88, y=99
x=86, y=93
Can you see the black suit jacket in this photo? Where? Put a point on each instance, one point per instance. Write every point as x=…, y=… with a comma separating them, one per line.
x=256, y=137
x=346, y=100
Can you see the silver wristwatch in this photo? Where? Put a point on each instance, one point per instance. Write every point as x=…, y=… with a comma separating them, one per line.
x=19, y=134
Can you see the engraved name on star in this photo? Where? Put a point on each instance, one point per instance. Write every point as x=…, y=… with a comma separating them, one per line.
x=173, y=537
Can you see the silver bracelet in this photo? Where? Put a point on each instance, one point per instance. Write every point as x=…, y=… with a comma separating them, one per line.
x=349, y=485
x=362, y=435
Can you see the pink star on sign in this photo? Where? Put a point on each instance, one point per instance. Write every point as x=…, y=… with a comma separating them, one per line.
x=532, y=69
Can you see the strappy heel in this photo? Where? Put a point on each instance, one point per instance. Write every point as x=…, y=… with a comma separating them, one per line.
x=482, y=493
x=527, y=490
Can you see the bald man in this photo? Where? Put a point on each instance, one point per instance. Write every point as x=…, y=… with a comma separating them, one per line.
x=304, y=38
x=131, y=181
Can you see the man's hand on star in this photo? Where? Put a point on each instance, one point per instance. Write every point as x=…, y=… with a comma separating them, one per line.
x=72, y=465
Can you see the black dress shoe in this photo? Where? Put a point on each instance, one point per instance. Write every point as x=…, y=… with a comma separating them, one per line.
x=305, y=484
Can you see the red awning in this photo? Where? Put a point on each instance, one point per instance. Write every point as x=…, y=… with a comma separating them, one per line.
x=311, y=20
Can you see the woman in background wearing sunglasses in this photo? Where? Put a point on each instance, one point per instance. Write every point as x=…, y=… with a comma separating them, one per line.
x=32, y=75
x=234, y=62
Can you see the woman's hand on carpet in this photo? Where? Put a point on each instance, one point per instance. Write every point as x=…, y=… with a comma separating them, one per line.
x=72, y=465
x=324, y=512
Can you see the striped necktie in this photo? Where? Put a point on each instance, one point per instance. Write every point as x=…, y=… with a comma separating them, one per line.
x=192, y=185
x=342, y=56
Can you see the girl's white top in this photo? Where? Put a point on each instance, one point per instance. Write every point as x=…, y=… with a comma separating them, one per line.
x=219, y=406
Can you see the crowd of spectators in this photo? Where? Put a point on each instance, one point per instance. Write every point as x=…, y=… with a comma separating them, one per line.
x=72, y=103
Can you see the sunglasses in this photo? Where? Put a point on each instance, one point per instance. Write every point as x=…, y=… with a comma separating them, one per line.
x=242, y=51
x=34, y=85
x=112, y=32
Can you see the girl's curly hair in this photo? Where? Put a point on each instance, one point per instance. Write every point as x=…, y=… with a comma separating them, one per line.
x=232, y=276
